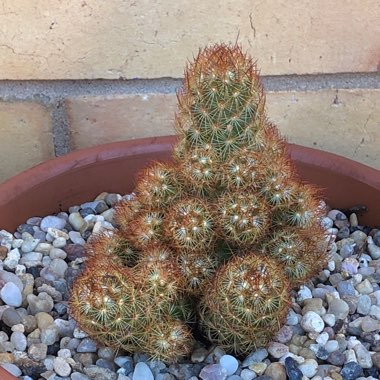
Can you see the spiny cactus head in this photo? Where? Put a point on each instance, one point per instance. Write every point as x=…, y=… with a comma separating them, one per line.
x=244, y=305
x=102, y=302
x=302, y=207
x=242, y=217
x=278, y=179
x=167, y=339
x=158, y=185
x=126, y=212
x=189, y=225
x=200, y=169
x=222, y=100
x=159, y=275
x=114, y=246
x=270, y=143
x=243, y=171
x=196, y=268
x=146, y=228
x=301, y=254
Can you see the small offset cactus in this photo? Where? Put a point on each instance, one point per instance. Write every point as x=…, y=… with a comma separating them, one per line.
x=213, y=241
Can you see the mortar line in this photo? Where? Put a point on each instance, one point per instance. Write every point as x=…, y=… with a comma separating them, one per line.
x=60, y=128
x=45, y=91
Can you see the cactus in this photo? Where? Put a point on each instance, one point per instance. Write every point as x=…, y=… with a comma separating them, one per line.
x=245, y=303
x=218, y=236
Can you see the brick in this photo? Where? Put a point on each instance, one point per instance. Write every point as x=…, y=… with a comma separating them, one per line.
x=148, y=39
x=344, y=122
x=96, y=120
x=26, y=137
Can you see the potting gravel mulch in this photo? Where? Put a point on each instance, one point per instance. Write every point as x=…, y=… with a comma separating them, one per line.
x=332, y=330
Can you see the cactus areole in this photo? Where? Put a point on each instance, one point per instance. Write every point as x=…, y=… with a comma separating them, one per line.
x=213, y=241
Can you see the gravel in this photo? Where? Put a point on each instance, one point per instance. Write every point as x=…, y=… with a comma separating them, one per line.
x=331, y=332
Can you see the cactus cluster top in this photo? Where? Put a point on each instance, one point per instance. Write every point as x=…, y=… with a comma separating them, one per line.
x=213, y=241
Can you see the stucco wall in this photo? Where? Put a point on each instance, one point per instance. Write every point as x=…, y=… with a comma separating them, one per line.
x=79, y=73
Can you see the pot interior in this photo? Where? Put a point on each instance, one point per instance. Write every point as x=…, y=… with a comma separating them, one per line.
x=80, y=176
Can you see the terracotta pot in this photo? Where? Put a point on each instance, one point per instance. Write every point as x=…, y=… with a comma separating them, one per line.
x=81, y=175
x=5, y=375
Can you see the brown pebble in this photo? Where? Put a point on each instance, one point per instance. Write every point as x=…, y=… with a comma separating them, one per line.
x=3, y=252
x=276, y=371
x=376, y=360
x=6, y=357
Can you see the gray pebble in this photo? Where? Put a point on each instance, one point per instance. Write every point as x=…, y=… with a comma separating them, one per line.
x=99, y=373
x=59, y=267
x=339, y=308
x=10, y=317
x=125, y=362
x=76, y=237
x=257, y=356
x=87, y=345
x=364, y=304
x=18, y=340
x=346, y=288
x=42, y=302
x=37, y=351
x=49, y=335
x=363, y=356
x=79, y=376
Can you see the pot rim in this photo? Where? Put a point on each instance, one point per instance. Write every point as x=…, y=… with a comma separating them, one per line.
x=5, y=375
x=114, y=150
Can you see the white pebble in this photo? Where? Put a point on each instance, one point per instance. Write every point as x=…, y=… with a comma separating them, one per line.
x=61, y=367
x=11, y=294
x=331, y=265
x=322, y=338
x=331, y=346
x=29, y=245
x=20, y=269
x=64, y=353
x=229, y=363
x=52, y=221
x=374, y=251
x=312, y=322
x=59, y=242
x=309, y=367
x=78, y=333
x=350, y=356
x=44, y=248
x=17, y=243
x=12, y=258
x=304, y=293
x=329, y=319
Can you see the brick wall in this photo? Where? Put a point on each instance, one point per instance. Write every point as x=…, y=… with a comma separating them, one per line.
x=79, y=73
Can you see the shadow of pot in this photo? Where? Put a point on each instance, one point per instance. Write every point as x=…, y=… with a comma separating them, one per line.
x=81, y=175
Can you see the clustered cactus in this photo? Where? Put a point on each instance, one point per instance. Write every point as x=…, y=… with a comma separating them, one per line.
x=214, y=240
